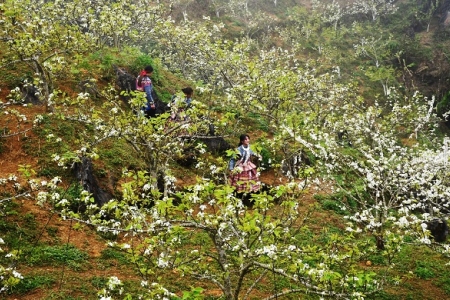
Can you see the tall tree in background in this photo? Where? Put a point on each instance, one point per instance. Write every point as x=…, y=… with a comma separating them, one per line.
x=373, y=8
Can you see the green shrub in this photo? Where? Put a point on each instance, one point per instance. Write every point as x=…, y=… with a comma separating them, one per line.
x=30, y=220
x=444, y=282
x=99, y=282
x=377, y=259
x=140, y=62
x=333, y=205
x=263, y=150
x=118, y=154
x=335, y=202
x=52, y=231
x=15, y=236
x=57, y=255
x=29, y=283
x=443, y=105
x=405, y=259
x=259, y=121
x=113, y=254
x=423, y=270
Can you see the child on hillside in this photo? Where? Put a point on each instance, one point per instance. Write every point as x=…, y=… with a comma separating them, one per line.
x=179, y=108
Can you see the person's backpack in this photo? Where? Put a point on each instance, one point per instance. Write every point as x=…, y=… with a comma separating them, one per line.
x=139, y=87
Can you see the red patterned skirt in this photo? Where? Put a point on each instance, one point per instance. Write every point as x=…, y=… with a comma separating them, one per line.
x=246, y=181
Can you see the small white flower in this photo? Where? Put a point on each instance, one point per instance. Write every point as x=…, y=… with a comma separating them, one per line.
x=17, y=274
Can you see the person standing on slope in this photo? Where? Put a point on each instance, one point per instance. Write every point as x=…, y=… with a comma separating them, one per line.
x=144, y=83
x=244, y=173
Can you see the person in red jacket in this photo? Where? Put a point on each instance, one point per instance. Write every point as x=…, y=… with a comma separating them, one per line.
x=144, y=83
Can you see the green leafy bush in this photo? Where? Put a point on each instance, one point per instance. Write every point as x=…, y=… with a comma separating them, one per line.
x=57, y=255
x=113, y=254
x=29, y=283
x=424, y=270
